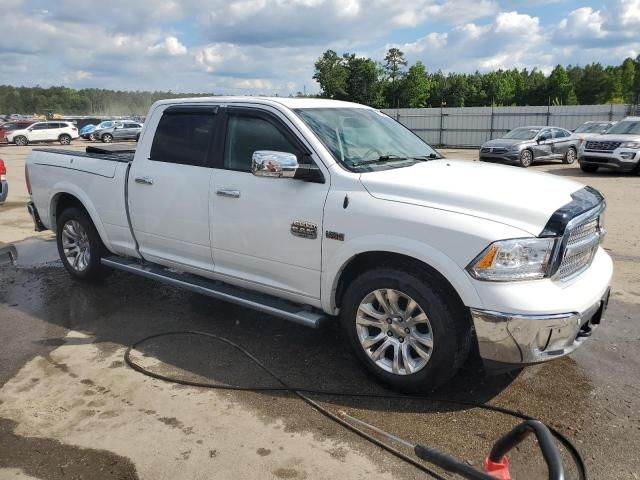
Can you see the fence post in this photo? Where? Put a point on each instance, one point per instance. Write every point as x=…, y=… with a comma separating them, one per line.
x=491, y=131
x=610, y=111
x=441, y=126
x=548, y=113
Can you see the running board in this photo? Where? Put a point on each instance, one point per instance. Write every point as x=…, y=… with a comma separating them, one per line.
x=301, y=314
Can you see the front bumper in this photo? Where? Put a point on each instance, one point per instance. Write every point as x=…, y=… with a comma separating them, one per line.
x=621, y=159
x=510, y=156
x=514, y=339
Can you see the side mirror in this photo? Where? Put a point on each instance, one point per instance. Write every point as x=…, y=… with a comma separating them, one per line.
x=267, y=163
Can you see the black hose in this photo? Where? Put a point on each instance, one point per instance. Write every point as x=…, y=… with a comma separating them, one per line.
x=300, y=393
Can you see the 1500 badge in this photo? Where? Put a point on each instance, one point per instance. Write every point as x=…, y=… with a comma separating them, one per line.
x=335, y=235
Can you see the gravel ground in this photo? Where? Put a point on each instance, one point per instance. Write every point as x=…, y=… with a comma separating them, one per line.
x=70, y=408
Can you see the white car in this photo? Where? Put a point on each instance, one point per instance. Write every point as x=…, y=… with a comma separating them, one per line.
x=319, y=210
x=53, y=131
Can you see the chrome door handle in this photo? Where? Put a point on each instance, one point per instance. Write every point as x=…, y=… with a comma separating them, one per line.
x=228, y=192
x=144, y=180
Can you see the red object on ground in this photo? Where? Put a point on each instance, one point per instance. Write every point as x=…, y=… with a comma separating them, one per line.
x=498, y=470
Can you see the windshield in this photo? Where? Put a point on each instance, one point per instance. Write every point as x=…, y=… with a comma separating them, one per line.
x=360, y=136
x=629, y=127
x=592, y=128
x=523, y=133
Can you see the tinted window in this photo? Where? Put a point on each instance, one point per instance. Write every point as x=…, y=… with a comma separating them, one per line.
x=183, y=138
x=131, y=125
x=245, y=135
x=40, y=126
x=56, y=125
x=545, y=134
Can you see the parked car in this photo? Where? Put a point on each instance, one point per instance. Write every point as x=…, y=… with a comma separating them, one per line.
x=591, y=129
x=119, y=130
x=312, y=209
x=86, y=131
x=62, y=132
x=10, y=126
x=525, y=145
x=617, y=149
x=4, y=185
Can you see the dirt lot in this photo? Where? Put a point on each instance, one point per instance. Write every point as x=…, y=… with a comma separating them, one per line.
x=70, y=408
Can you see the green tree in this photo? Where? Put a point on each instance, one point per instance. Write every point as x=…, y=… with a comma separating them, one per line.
x=393, y=62
x=560, y=88
x=415, y=87
x=628, y=78
x=362, y=84
x=331, y=74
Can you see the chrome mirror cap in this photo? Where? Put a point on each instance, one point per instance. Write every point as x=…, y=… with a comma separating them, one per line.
x=267, y=163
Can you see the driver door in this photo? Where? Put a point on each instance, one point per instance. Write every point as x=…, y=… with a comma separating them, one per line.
x=253, y=219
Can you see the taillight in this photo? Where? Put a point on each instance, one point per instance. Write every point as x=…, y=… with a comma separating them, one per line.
x=3, y=171
x=26, y=179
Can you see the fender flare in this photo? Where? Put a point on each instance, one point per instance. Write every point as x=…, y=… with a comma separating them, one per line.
x=447, y=267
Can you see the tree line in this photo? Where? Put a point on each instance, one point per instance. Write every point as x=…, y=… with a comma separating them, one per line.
x=391, y=83
x=89, y=101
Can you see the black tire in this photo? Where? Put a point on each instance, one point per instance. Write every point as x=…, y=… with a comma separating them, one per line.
x=570, y=156
x=450, y=326
x=64, y=139
x=588, y=168
x=93, y=137
x=21, y=141
x=526, y=158
x=107, y=138
x=94, y=269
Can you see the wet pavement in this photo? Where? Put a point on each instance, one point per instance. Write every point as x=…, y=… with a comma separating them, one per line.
x=71, y=408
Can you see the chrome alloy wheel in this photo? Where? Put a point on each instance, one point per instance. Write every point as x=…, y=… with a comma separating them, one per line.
x=394, y=331
x=75, y=244
x=526, y=158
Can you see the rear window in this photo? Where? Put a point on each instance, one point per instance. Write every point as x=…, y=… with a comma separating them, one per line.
x=183, y=138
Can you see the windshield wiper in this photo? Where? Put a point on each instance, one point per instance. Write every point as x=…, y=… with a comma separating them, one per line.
x=431, y=156
x=381, y=158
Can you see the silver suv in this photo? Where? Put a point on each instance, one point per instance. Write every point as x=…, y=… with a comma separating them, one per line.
x=617, y=149
x=121, y=130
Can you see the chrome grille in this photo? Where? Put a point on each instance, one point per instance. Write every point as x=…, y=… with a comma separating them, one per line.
x=602, y=146
x=582, y=238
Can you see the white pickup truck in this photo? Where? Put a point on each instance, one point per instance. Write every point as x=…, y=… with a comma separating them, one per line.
x=312, y=209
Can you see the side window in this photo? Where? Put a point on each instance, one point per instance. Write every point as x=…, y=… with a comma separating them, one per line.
x=245, y=135
x=545, y=134
x=559, y=133
x=183, y=138
x=40, y=126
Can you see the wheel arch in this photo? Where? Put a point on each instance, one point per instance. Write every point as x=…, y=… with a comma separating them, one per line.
x=70, y=197
x=437, y=265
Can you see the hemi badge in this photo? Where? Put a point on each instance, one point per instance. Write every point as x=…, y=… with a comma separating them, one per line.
x=335, y=235
x=303, y=229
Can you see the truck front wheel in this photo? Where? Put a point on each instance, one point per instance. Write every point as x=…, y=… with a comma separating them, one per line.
x=406, y=328
x=79, y=245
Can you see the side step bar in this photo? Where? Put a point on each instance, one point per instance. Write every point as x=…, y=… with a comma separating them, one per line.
x=221, y=291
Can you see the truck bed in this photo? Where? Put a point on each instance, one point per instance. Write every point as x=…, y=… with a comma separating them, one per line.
x=114, y=153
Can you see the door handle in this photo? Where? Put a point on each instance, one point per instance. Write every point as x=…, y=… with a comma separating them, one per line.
x=228, y=192
x=144, y=180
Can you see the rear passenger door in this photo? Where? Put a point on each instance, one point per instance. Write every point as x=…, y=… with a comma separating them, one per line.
x=169, y=188
x=561, y=142
x=254, y=218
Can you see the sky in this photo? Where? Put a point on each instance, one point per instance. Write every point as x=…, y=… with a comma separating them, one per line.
x=252, y=47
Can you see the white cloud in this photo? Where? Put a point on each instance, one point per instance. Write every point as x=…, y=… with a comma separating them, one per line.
x=270, y=46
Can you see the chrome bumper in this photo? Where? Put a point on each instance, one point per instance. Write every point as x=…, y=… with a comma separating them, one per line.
x=515, y=339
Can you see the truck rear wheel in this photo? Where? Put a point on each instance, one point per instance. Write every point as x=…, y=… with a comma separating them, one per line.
x=405, y=328
x=79, y=245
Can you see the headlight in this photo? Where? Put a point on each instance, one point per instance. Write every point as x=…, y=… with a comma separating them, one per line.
x=516, y=259
x=515, y=146
x=633, y=145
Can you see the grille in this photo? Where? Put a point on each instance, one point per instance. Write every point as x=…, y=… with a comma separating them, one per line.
x=602, y=146
x=580, y=248
x=493, y=150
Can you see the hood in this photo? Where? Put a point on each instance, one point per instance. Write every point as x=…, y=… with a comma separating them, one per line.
x=503, y=142
x=616, y=137
x=505, y=194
